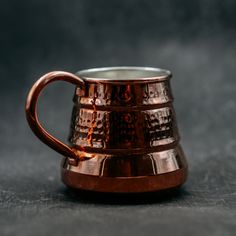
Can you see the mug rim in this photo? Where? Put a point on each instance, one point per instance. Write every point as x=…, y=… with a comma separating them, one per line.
x=113, y=74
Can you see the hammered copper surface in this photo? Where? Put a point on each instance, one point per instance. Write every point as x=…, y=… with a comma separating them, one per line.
x=124, y=116
x=123, y=135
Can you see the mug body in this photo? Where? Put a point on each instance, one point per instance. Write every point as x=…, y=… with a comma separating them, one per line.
x=124, y=131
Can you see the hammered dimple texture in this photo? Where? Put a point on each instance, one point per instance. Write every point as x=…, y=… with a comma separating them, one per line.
x=112, y=129
x=135, y=94
x=129, y=116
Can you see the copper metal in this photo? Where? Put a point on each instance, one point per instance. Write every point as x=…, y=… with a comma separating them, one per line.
x=123, y=134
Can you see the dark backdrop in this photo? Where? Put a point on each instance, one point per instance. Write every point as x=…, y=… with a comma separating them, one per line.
x=196, y=40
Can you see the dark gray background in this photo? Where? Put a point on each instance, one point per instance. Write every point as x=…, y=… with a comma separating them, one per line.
x=196, y=40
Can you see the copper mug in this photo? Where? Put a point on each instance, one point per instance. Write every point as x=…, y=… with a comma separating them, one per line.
x=123, y=135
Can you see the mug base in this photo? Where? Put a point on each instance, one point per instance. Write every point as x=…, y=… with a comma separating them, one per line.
x=129, y=174
x=141, y=184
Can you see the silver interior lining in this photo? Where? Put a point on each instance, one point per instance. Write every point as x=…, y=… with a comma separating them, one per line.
x=123, y=73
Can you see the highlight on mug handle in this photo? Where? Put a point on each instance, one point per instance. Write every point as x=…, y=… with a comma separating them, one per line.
x=31, y=109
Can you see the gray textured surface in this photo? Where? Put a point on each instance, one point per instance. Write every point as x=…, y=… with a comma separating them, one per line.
x=33, y=201
x=32, y=198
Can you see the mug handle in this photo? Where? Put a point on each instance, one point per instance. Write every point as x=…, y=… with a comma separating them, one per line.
x=31, y=110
